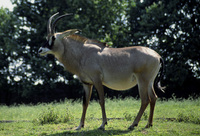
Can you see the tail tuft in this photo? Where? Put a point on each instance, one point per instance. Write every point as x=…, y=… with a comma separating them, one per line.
x=159, y=76
x=161, y=88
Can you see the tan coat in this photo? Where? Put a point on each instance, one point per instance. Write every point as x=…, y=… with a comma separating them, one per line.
x=96, y=65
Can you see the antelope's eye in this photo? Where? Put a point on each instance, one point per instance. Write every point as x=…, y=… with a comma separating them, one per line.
x=53, y=38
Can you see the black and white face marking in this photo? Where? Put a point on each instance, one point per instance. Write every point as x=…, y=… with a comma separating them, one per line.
x=51, y=42
x=47, y=47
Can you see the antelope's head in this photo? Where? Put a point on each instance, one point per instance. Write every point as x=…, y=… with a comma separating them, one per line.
x=53, y=39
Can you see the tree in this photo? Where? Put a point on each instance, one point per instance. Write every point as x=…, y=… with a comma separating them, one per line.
x=8, y=53
x=171, y=28
x=96, y=20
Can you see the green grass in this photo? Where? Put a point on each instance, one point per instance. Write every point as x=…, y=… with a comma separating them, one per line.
x=172, y=117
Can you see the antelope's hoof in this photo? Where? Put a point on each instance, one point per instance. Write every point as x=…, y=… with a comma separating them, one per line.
x=79, y=127
x=101, y=128
x=132, y=127
x=148, y=126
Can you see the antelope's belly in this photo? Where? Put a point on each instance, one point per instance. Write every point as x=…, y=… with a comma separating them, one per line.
x=121, y=82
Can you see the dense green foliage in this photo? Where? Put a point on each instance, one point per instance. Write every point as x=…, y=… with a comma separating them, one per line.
x=169, y=27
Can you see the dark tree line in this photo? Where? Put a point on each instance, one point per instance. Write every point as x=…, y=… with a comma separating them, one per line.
x=169, y=27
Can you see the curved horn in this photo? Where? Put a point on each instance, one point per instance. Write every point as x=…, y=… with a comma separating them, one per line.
x=49, y=30
x=57, y=19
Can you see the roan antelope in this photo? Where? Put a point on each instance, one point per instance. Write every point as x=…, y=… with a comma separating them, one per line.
x=98, y=65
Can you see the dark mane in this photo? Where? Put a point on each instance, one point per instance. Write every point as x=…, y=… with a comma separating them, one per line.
x=86, y=40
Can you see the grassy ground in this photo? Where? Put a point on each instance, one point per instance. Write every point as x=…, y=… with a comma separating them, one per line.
x=172, y=117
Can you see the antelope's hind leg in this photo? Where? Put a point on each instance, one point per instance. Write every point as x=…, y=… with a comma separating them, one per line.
x=86, y=99
x=143, y=91
x=153, y=97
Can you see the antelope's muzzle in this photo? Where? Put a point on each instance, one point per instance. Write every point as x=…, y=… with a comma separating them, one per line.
x=43, y=51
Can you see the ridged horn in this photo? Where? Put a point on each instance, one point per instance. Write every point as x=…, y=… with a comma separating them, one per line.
x=49, y=28
x=56, y=20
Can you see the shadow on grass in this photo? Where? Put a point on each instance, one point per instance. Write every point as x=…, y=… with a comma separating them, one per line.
x=95, y=132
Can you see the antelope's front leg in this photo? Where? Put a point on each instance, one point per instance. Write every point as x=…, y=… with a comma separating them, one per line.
x=100, y=91
x=86, y=99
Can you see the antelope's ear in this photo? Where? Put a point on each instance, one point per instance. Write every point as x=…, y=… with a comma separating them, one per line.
x=70, y=32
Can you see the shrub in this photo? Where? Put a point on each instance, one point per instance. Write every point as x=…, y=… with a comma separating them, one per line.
x=50, y=116
x=190, y=117
x=128, y=116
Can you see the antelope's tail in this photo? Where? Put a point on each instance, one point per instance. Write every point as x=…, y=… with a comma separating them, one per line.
x=159, y=77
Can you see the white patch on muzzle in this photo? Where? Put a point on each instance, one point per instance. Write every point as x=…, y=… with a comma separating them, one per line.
x=44, y=51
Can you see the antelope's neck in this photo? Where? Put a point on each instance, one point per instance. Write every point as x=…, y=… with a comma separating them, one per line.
x=70, y=63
